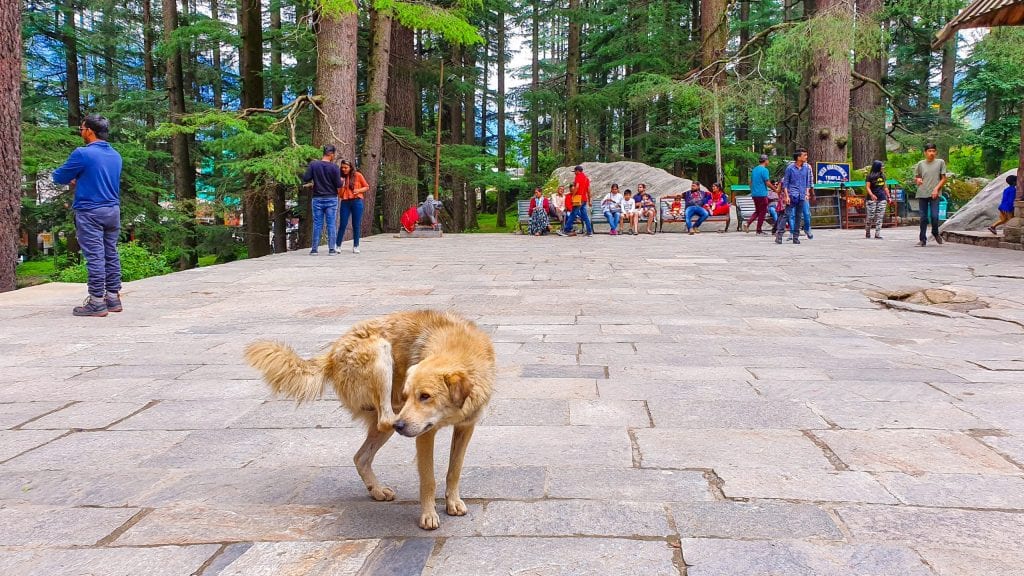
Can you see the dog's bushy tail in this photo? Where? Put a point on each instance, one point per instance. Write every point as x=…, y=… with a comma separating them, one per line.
x=285, y=371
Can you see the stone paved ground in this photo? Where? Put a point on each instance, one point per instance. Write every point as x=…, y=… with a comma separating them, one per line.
x=710, y=405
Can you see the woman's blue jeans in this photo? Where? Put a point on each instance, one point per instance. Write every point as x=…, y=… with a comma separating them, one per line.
x=350, y=209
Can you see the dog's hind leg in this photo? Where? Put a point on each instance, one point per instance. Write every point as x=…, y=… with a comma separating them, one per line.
x=381, y=374
x=454, y=505
x=364, y=463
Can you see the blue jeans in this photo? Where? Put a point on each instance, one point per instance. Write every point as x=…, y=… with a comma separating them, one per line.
x=929, y=209
x=324, y=208
x=97, y=231
x=354, y=209
x=614, y=219
x=701, y=213
x=774, y=213
x=794, y=214
x=806, y=211
x=585, y=216
x=570, y=219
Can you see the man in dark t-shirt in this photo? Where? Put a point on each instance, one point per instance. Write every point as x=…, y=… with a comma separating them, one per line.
x=326, y=178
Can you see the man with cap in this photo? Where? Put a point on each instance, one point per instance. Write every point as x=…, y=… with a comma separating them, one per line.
x=95, y=171
x=759, y=178
x=326, y=178
x=582, y=193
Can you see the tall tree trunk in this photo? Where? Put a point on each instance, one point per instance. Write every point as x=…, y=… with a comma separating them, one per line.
x=148, y=66
x=10, y=141
x=400, y=166
x=336, y=83
x=469, y=129
x=830, y=95
x=993, y=156
x=572, y=74
x=72, y=90
x=280, y=198
x=376, y=100
x=305, y=205
x=867, y=110
x=218, y=80
x=743, y=122
x=946, y=95
x=108, y=30
x=500, y=103
x=714, y=35
x=534, y=88
x=257, y=217
x=184, y=174
x=455, y=132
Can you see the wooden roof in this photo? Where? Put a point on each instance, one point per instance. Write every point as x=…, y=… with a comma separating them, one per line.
x=980, y=14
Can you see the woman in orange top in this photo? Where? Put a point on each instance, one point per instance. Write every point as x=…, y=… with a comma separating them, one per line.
x=353, y=186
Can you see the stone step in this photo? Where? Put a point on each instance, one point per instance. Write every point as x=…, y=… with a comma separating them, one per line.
x=420, y=232
x=973, y=237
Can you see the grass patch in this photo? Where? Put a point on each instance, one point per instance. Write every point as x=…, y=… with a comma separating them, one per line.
x=489, y=224
x=34, y=272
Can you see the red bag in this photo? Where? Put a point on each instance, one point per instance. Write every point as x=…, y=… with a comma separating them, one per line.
x=409, y=219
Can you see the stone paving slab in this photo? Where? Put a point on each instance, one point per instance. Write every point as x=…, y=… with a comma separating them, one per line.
x=156, y=561
x=553, y=557
x=795, y=427
x=717, y=557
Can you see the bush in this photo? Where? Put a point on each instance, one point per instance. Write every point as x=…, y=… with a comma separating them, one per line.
x=224, y=242
x=136, y=263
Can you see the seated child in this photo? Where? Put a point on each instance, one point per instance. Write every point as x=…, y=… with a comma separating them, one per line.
x=676, y=209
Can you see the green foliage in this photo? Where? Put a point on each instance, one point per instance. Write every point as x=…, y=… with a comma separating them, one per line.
x=222, y=242
x=136, y=263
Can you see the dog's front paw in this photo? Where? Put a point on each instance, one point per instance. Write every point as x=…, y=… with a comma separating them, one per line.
x=382, y=493
x=455, y=507
x=430, y=520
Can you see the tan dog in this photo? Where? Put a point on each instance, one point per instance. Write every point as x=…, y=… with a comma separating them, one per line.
x=445, y=365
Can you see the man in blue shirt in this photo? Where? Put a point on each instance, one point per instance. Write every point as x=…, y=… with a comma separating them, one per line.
x=326, y=178
x=95, y=171
x=796, y=184
x=759, y=178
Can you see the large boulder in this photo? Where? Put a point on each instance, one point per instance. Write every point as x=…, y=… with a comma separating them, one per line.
x=627, y=175
x=982, y=210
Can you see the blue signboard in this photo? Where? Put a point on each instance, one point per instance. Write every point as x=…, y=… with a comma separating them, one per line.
x=832, y=172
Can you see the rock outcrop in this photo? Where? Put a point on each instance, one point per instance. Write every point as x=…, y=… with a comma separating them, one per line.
x=626, y=175
x=982, y=210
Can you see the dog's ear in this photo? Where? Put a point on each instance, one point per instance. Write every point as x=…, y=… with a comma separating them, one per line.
x=458, y=387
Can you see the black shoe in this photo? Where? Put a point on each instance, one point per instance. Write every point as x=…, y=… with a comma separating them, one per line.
x=113, y=302
x=91, y=307
x=796, y=240
x=938, y=239
x=778, y=240
x=809, y=235
x=921, y=244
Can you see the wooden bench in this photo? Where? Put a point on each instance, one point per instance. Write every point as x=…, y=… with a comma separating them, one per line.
x=667, y=218
x=745, y=209
x=597, y=217
x=523, y=217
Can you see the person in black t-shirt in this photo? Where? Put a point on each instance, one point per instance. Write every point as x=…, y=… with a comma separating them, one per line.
x=878, y=198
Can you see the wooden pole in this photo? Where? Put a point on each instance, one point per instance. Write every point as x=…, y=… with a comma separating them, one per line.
x=437, y=127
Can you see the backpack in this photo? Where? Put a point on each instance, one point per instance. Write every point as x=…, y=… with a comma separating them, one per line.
x=409, y=219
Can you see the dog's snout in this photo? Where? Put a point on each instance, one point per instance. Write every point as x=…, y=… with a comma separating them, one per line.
x=399, y=425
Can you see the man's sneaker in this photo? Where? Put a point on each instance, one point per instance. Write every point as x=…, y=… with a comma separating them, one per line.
x=355, y=249
x=312, y=252
x=938, y=239
x=332, y=252
x=878, y=236
x=91, y=307
x=796, y=240
x=809, y=235
x=113, y=302
x=778, y=239
x=696, y=230
x=589, y=234
x=559, y=232
x=867, y=233
x=690, y=232
x=921, y=244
